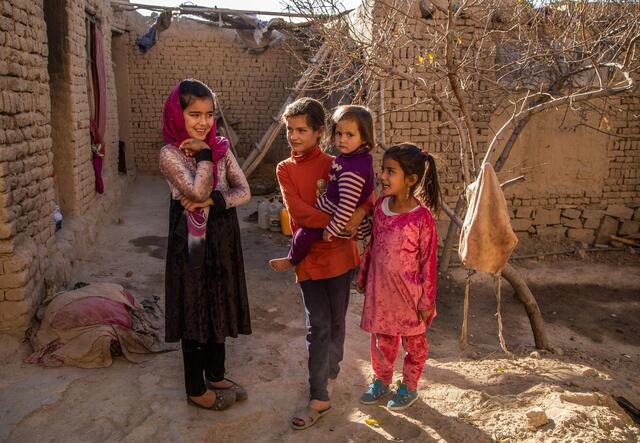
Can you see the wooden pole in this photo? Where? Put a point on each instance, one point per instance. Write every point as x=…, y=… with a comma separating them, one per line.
x=260, y=151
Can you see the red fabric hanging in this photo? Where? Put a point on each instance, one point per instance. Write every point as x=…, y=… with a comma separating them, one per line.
x=98, y=122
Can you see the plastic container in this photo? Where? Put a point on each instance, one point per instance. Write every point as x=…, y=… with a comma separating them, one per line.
x=274, y=216
x=285, y=222
x=263, y=214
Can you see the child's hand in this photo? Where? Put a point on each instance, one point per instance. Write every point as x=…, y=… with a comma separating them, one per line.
x=352, y=225
x=190, y=146
x=326, y=236
x=321, y=187
x=191, y=206
x=424, y=314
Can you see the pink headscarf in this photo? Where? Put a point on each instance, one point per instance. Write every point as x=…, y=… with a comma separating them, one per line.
x=174, y=130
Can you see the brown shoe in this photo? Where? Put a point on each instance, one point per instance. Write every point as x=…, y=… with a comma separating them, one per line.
x=240, y=392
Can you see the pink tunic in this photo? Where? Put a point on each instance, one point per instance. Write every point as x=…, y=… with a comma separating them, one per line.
x=399, y=271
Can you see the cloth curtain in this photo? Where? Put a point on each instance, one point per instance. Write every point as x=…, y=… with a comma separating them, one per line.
x=98, y=120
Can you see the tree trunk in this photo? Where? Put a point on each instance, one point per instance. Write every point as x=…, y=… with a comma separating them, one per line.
x=524, y=295
x=443, y=263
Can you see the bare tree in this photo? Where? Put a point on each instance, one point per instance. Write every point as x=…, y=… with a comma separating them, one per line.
x=463, y=57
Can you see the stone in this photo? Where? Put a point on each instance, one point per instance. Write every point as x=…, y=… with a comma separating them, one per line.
x=7, y=229
x=520, y=224
x=590, y=372
x=557, y=351
x=582, y=235
x=571, y=213
x=535, y=354
x=608, y=227
x=629, y=227
x=547, y=217
x=581, y=253
x=17, y=262
x=592, y=223
x=17, y=280
x=18, y=294
x=636, y=214
x=571, y=222
x=537, y=418
x=555, y=232
x=15, y=317
x=592, y=213
x=524, y=212
x=620, y=212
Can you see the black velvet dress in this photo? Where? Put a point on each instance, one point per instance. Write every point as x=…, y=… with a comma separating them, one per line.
x=206, y=300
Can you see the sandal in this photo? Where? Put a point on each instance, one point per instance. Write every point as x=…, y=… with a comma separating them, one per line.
x=241, y=393
x=403, y=398
x=223, y=401
x=375, y=392
x=308, y=416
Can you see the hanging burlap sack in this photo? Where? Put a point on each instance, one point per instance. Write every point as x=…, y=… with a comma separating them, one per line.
x=486, y=238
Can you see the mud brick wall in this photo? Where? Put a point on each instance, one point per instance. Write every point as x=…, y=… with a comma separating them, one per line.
x=26, y=183
x=581, y=184
x=249, y=88
x=39, y=142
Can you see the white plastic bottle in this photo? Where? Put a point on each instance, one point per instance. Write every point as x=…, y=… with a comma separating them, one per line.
x=263, y=214
x=274, y=216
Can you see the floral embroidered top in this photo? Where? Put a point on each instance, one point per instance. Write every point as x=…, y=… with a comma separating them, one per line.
x=195, y=180
x=399, y=271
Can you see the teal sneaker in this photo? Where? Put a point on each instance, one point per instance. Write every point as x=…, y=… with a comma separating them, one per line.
x=403, y=398
x=375, y=392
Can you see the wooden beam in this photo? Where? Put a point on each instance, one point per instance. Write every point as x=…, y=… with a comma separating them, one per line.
x=255, y=156
x=194, y=9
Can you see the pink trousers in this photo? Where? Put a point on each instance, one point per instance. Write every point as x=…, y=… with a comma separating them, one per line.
x=384, y=350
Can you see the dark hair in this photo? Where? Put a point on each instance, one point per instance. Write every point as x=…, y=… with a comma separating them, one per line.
x=363, y=118
x=311, y=108
x=191, y=89
x=414, y=161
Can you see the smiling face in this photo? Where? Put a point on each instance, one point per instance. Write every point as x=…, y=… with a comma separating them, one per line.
x=301, y=137
x=347, y=136
x=393, y=179
x=198, y=118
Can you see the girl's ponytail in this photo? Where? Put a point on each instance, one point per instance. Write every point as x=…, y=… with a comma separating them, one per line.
x=428, y=189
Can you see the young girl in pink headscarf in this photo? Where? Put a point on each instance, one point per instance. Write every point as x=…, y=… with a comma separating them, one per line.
x=205, y=289
x=398, y=272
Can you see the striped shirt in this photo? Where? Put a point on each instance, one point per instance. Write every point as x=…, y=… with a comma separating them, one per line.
x=351, y=182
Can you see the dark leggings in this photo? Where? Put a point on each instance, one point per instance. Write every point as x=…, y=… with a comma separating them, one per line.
x=202, y=359
x=326, y=302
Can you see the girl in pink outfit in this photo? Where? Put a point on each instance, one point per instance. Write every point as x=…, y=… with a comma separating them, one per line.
x=398, y=272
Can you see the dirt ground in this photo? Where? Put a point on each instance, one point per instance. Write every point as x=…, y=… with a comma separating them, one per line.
x=592, y=309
